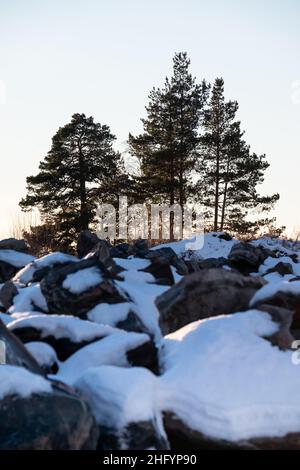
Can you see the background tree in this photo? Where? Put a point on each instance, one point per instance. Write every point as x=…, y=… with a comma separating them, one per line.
x=80, y=168
x=229, y=172
x=167, y=149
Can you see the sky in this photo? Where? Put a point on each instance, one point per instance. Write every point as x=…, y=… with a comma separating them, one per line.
x=102, y=57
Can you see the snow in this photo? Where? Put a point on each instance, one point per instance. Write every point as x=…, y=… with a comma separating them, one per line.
x=274, y=244
x=110, y=350
x=15, y=258
x=18, y=381
x=213, y=246
x=270, y=263
x=43, y=353
x=83, y=280
x=110, y=314
x=118, y=396
x=25, y=275
x=6, y=319
x=29, y=298
x=223, y=379
x=63, y=326
x=143, y=297
x=132, y=263
x=133, y=267
x=271, y=289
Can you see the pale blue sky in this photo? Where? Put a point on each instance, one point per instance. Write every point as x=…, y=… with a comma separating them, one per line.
x=58, y=57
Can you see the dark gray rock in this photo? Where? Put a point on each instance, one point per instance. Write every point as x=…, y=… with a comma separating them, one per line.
x=145, y=355
x=143, y=435
x=161, y=271
x=170, y=255
x=181, y=436
x=14, y=244
x=87, y=241
x=246, y=257
x=7, y=271
x=57, y=421
x=281, y=268
x=16, y=353
x=204, y=294
x=7, y=293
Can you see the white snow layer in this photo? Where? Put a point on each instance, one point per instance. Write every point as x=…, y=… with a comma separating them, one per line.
x=63, y=326
x=118, y=396
x=15, y=258
x=110, y=314
x=223, y=379
x=43, y=353
x=271, y=289
x=110, y=350
x=82, y=280
x=28, y=299
x=18, y=381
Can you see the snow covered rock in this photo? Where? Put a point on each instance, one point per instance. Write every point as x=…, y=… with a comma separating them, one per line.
x=225, y=385
x=28, y=299
x=35, y=415
x=11, y=261
x=282, y=294
x=246, y=257
x=119, y=348
x=125, y=407
x=169, y=255
x=15, y=352
x=45, y=356
x=204, y=294
x=160, y=269
x=39, y=268
x=14, y=244
x=66, y=334
x=86, y=242
x=76, y=288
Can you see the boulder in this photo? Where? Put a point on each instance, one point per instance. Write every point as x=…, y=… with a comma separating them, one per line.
x=225, y=236
x=122, y=402
x=86, y=242
x=246, y=257
x=181, y=436
x=7, y=293
x=16, y=353
x=170, y=255
x=220, y=373
x=14, y=244
x=285, y=295
x=204, y=294
x=65, y=334
x=281, y=268
x=7, y=271
x=43, y=419
x=161, y=271
x=77, y=288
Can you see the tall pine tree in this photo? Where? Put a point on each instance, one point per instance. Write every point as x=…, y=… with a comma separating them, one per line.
x=229, y=172
x=77, y=172
x=167, y=149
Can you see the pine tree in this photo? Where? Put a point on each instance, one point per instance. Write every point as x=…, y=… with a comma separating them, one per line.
x=167, y=150
x=80, y=168
x=229, y=172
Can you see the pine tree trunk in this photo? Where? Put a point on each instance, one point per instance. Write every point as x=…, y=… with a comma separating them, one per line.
x=84, y=225
x=224, y=198
x=217, y=191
